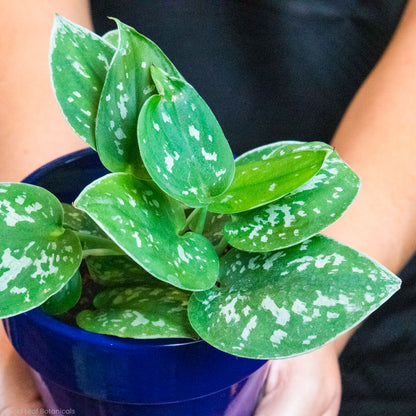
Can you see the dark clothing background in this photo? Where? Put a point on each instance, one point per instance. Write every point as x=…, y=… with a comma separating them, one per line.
x=277, y=70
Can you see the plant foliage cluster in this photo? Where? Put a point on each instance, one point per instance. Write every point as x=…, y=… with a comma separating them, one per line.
x=184, y=240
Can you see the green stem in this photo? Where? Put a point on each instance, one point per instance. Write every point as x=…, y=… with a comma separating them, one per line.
x=95, y=240
x=101, y=246
x=201, y=220
x=101, y=252
x=199, y=213
x=221, y=246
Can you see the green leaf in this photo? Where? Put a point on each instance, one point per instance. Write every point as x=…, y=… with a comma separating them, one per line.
x=182, y=144
x=131, y=312
x=299, y=215
x=37, y=255
x=66, y=298
x=78, y=220
x=111, y=37
x=267, y=173
x=94, y=241
x=127, y=86
x=146, y=224
x=214, y=225
x=285, y=303
x=116, y=271
x=79, y=60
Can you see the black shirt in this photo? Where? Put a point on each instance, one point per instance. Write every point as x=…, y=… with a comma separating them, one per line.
x=286, y=70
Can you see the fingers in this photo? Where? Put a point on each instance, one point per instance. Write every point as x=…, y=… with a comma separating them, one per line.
x=308, y=385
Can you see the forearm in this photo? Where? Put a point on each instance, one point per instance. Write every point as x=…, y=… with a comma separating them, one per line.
x=377, y=138
x=33, y=131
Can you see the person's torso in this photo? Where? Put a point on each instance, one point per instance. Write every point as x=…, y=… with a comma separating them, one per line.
x=270, y=69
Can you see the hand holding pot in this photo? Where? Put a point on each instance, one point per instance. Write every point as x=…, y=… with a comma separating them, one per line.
x=307, y=385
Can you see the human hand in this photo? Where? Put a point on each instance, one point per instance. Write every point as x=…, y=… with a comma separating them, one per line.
x=18, y=393
x=307, y=385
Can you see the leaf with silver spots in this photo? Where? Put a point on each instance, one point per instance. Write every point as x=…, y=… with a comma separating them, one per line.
x=182, y=144
x=127, y=86
x=37, y=255
x=131, y=312
x=285, y=303
x=269, y=172
x=79, y=60
x=146, y=224
x=299, y=215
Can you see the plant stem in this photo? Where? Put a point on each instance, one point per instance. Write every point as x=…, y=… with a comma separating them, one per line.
x=95, y=240
x=101, y=252
x=200, y=214
x=221, y=246
x=100, y=246
x=201, y=220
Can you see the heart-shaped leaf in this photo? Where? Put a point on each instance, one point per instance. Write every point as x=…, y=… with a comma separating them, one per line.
x=116, y=271
x=182, y=144
x=269, y=172
x=79, y=60
x=93, y=239
x=108, y=270
x=285, y=303
x=66, y=298
x=146, y=224
x=131, y=312
x=37, y=255
x=127, y=86
x=299, y=215
x=78, y=220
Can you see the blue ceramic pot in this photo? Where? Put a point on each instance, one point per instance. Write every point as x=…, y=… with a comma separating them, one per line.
x=87, y=374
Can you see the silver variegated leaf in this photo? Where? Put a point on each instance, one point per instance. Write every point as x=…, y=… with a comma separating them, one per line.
x=37, y=255
x=127, y=86
x=299, y=215
x=182, y=144
x=92, y=238
x=146, y=224
x=267, y=173
x=78, y=220
x=285, y=303
x=116, y=271
x=131, y=312
x=79, y=60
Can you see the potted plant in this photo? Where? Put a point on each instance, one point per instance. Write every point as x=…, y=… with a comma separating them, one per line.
x=182, y=262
